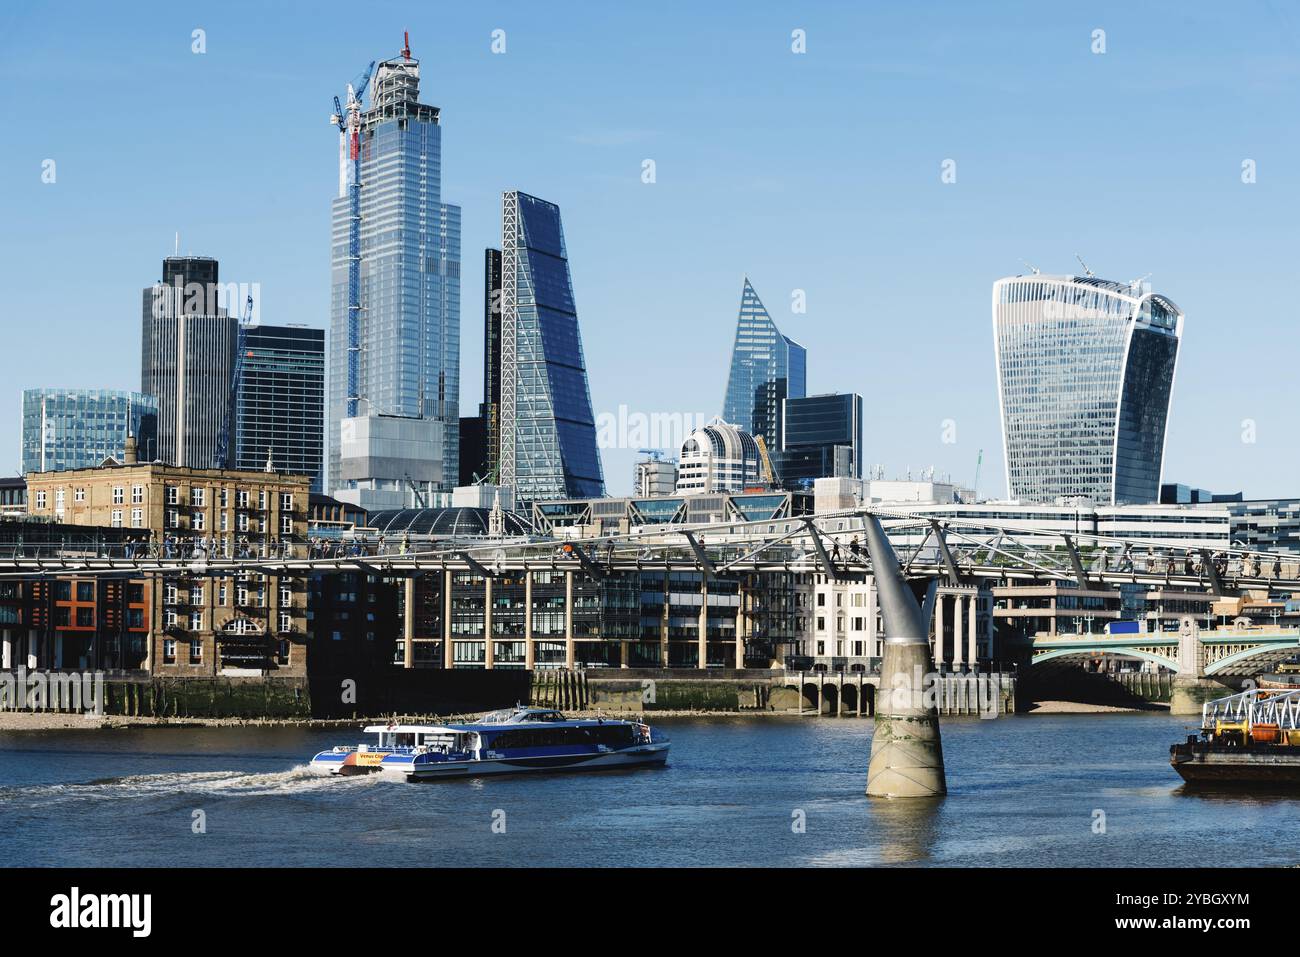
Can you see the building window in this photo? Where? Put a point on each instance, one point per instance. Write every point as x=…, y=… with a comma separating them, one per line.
x=196, y=497
x=119, y=495
x=40, y=499
x=196, y=621
x=286, y=525
x=196, y=594
x=169, y=651
x=225, y=498
x=225, y=521
x=196, y=652
x=173, y=518
x=137, y=518
x=117, y=518
x=173, y=495
x=286, y=621
x=221, y=594
x=137, y=494
x=261, y=500
x=241, y=498
x=85, y=618
x=196, y=521
x=79, y=495
x=286, y=502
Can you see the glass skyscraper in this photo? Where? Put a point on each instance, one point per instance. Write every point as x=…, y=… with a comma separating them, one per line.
x=823, y=439
x=406, y=360
x=548, y=431
x=1085, y=374
x=766, y=368
x=280, y=401
x=80, y=428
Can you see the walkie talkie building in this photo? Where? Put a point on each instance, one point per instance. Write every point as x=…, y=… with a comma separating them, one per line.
x=1085, y=374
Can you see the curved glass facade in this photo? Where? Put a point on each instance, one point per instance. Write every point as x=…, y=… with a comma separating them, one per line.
x=1085, y=377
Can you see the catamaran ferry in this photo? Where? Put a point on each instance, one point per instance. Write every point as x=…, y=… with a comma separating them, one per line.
x=501, y=742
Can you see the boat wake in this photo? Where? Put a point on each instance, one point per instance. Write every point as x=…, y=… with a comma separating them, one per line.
x=298, y=780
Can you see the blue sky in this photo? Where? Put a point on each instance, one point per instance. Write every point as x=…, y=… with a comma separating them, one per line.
x=818, y=172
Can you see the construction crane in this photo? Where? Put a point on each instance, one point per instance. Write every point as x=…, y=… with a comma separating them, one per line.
x=1086, y=271
x=348, y=120
x=219, y=458
x=766, y=459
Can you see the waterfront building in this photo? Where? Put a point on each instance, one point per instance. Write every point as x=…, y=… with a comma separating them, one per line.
x=188, y=344
x=252, y=623
x=80, y=428
x=66, y=622
x=766, y=369
x=394, y=407
x=548, y=429
x=1085, y=375
x=718, y=458
x=13, y=497
x=280, y=401
x=822, y=438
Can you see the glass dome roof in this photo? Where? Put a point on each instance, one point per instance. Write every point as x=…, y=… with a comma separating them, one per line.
x=442, y=522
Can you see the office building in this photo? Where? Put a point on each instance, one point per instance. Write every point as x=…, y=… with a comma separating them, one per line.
x=80, y=428
x=548, y=430
x=718, y=458
x=188, y=345
x=490, y=409
x=766, y=369
x=1085, y=374
x=822, y=437
x=655, y=476
x=280, y=402
x=394, y=407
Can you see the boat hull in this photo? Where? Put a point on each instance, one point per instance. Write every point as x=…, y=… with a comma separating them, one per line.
x=1237, y=767
x=414, y=769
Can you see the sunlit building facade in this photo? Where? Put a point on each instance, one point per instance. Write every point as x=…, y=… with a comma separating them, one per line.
x=1085, y=374
x=766, y=368
x=400, y=427
x=547, y=428
x=80, y=428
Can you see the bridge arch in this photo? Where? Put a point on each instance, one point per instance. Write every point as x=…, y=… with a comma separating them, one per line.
x=1056, y=653
x=830, y=699
x=1229, y=661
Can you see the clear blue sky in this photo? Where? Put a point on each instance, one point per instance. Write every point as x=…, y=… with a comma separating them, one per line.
x=818, y=172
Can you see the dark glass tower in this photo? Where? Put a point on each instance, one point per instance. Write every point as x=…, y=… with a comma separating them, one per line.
x=823, y=439
x=490, y=410
x=766, y=368
x=548, y=431
x=281, y=401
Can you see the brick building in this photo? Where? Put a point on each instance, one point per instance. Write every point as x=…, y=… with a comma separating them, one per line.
x=249, y=624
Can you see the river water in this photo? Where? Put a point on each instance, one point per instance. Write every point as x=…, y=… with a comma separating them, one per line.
x=1046, y=790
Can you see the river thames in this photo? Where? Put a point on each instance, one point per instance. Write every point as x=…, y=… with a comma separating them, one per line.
x=1092, y=790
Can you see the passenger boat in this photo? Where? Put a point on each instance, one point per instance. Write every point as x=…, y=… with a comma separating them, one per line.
x=501, y=742
x=1251, y=739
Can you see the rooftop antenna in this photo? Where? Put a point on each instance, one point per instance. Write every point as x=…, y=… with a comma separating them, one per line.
x=1031, y=267
x=176, y=250
x=406, y=44
x=1086, y=271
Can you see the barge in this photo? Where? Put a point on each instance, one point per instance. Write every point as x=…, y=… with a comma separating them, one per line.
x=510, y=741
x=1251, y=739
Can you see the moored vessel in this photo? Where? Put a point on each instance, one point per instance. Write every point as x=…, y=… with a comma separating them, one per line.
x=1251, y=739
x=510, y=741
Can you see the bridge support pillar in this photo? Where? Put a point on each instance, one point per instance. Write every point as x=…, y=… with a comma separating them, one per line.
x=938, y=630
x=957, y=602
x=906, y=750
x=1187, y=693
x=448, y=654
x=408, y=622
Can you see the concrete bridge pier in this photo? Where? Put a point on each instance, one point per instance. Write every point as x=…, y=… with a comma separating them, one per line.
x=906, y=750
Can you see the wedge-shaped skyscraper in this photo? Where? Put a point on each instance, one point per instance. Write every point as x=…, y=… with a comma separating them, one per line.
x=766, y=369
x=548, y=431
x=1085, y=374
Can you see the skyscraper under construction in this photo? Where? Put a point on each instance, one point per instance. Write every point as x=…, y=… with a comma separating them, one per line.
x=395, y=298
